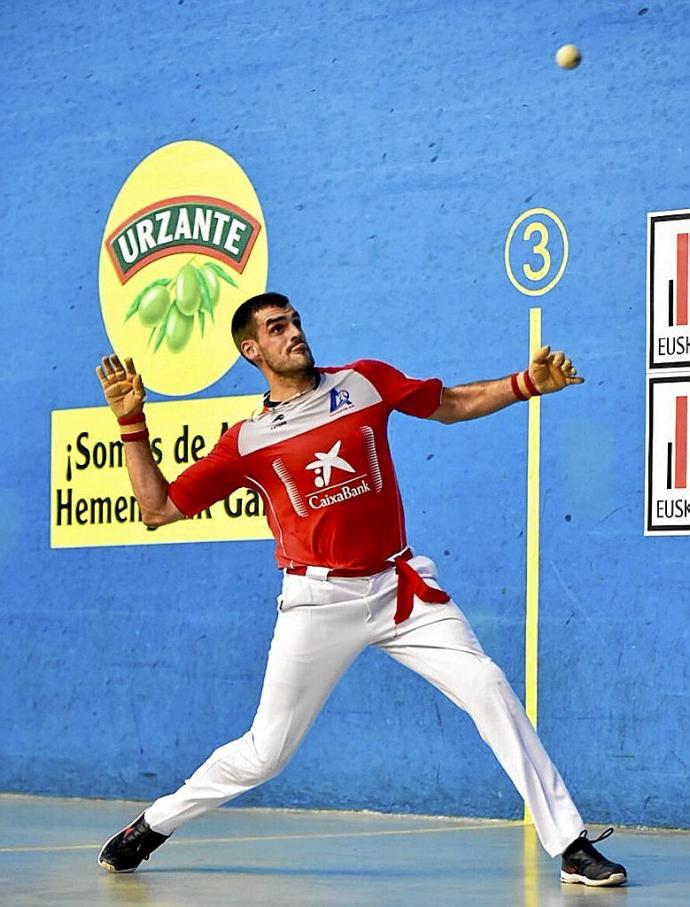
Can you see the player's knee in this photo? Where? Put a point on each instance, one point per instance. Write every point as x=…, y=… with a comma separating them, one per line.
x=489, y=680
x=247, y=761
x=271, y=757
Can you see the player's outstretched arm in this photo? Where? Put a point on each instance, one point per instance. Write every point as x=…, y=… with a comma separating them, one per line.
x=547, y=373
x=124, y=393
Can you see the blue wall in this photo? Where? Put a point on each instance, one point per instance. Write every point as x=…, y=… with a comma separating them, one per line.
x=391, y=144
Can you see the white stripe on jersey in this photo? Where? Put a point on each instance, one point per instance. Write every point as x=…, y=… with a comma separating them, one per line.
x=350, y=390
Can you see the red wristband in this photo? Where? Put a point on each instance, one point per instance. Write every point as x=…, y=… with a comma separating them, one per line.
x=529, y=384
x=136, y=435
x=132, y=420
x=516, y=387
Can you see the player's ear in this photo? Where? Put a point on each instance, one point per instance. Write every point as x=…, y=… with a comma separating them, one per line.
x=250, y=349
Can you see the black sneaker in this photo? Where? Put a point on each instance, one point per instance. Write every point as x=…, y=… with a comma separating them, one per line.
x=581, y=863
x=125, y=850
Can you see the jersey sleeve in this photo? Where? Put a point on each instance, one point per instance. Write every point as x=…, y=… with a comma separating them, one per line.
x=412, y=396
x=210, y=479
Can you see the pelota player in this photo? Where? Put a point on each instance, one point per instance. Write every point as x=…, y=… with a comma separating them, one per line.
x=318, y=454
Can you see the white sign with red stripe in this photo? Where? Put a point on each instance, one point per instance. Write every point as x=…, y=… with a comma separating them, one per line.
x=667, y=505
x=668, y=332
x=667, y=499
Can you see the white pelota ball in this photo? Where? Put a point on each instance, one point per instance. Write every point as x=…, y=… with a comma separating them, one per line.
x=568, y=56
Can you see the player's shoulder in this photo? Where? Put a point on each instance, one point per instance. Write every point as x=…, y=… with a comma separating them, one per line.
x=229, y=436
x=370, y=368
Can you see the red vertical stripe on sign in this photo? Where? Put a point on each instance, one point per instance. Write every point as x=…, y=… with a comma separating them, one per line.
x=681, y=477
x=682, y=274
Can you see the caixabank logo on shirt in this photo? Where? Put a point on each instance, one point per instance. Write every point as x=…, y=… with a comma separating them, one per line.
x=332, y=477
x=323, y=466
x=184, y=245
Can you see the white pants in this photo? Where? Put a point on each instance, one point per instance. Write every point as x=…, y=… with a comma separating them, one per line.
x=322, y=626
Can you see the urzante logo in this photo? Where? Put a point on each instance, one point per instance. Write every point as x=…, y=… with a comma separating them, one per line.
x=340, y=399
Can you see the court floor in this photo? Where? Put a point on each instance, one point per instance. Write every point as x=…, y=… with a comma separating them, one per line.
x=247, y=857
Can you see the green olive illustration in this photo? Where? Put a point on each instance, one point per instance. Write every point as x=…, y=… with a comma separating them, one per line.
x=187, y=290
x=213, y=283
x=178, y=329
x=153, y=305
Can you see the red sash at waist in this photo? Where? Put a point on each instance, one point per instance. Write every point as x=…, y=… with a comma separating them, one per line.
x=410, y=583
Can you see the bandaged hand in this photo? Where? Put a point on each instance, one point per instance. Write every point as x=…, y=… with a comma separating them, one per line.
x=551, y=372
x=122, y=386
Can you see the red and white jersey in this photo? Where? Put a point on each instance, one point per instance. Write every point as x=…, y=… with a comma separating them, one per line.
x=322, y=465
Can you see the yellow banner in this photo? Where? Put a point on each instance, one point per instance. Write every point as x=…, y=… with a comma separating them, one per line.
x=92, y=503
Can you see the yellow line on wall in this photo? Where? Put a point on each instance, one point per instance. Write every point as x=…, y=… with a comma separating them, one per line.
x=532, y=586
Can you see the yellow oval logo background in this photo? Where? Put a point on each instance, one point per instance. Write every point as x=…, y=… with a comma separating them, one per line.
x=183, y=345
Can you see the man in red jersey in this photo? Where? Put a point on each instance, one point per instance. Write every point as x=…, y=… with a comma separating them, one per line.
x=318, y=455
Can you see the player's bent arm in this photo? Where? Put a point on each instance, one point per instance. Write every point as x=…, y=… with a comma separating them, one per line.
x=124, y=393
x=149, y=486
x=547, y=373
x=470, y=401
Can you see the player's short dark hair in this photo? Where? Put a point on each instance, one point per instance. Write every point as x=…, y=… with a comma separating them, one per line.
x=243, y=323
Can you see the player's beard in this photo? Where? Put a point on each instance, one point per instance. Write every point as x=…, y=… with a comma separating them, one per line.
x=290, y=363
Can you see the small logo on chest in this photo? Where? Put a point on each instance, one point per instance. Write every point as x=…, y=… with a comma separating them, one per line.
x=340, y=400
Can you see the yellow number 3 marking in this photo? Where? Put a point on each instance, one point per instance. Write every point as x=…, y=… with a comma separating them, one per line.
x=538, y=249
x=539, y=230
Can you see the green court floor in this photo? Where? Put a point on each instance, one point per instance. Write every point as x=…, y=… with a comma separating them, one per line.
x=248, y=857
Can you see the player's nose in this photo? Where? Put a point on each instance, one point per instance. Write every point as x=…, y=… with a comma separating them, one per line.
x=296, y=335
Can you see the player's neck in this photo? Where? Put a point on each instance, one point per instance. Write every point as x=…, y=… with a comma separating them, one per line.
x=282, y=388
